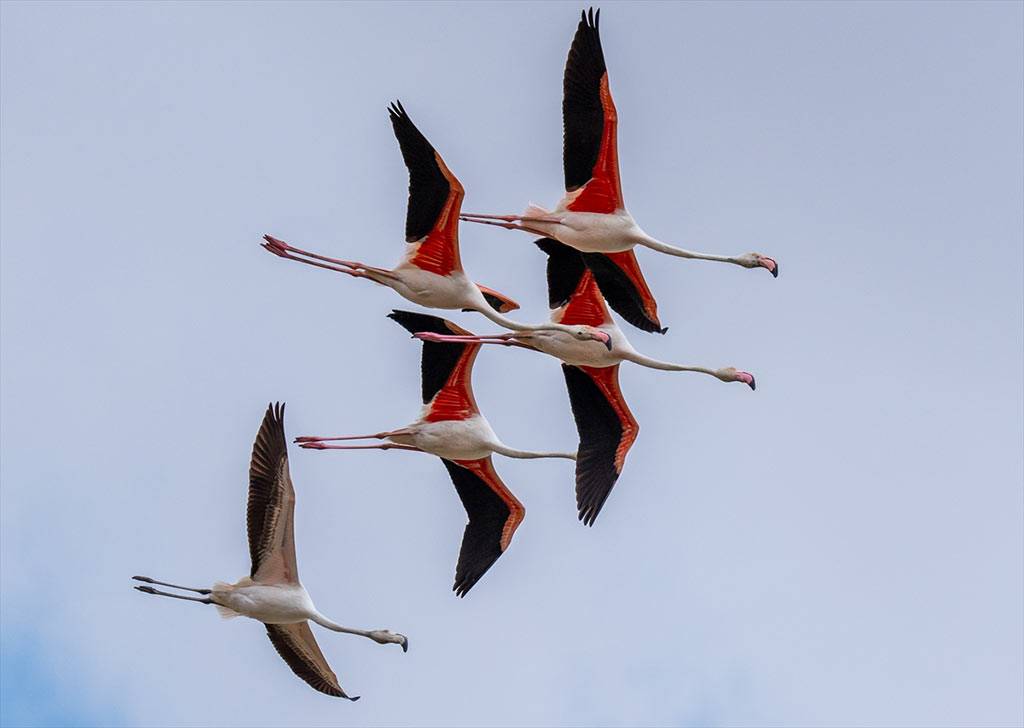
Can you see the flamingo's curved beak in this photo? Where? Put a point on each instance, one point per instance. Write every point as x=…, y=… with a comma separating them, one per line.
x=605, y=338
x=747, y=378
x=770, y=264
x=404, y=643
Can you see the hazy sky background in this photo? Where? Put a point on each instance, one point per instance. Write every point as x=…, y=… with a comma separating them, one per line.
x=842, y=547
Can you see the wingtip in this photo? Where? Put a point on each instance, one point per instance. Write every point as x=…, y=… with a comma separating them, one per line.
x=275, y=411
x=396, y=110
x=398, y=315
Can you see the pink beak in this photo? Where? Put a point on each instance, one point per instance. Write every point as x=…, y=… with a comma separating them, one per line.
x=771, y=265
x=747, y=379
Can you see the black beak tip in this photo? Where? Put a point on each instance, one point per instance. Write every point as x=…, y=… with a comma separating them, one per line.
x=405, y=645
x=753, y=383
x=608, y=345
x=775, y=271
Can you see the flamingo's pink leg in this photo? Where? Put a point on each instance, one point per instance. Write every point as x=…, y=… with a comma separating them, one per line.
x=506, y=225
x=509, y=218
x=382, y=446
x=375, y=436
x=280, y=253
x=282, y=245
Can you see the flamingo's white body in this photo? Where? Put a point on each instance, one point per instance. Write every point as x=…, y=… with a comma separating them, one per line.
x=468, y=439
x=267, y=603
x=588, y=232
x=431, y=290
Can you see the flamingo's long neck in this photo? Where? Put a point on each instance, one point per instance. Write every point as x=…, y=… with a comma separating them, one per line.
x=516, y=326
x=646, y=361
x=325, y=622
x=529, y=454
x=501, y=320
x=648, y=242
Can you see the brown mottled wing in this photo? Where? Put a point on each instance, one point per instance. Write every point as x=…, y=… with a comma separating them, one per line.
x=494, y=515
x=607, y=431
x=270, y=516
x=297, y=646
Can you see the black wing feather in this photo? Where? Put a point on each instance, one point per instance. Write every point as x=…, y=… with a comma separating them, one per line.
x=600, y=434
x=582, y=113
x=268, y=452
x=428, y=187
x=492, y=300
x=619, y=292
x=481, y=541
x=565, y=268
x=439, y=359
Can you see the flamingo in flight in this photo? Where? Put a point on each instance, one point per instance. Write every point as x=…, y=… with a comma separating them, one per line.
x=451, y=427
x=592, y=216
x=272, y=593
x=430, y=273
x=606, y=427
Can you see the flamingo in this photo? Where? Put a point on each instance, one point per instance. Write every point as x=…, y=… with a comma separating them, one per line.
x=272, y=593
x=607, y=428
x=592, y=216
x=451, y=427
x=430, y=273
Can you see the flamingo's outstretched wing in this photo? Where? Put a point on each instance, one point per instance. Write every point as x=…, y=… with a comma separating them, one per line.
x=564, y=270
x=589, y=152
x=591, y=161
x=607, y=431
x=572, y=274
x=494, y=514
x=447, y=369
x=297, y=646
x=432, y=216
x=619, y=277
x=270, y=514
x=435, y=198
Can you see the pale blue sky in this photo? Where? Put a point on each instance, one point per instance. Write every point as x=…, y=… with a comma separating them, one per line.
x=842, y=547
